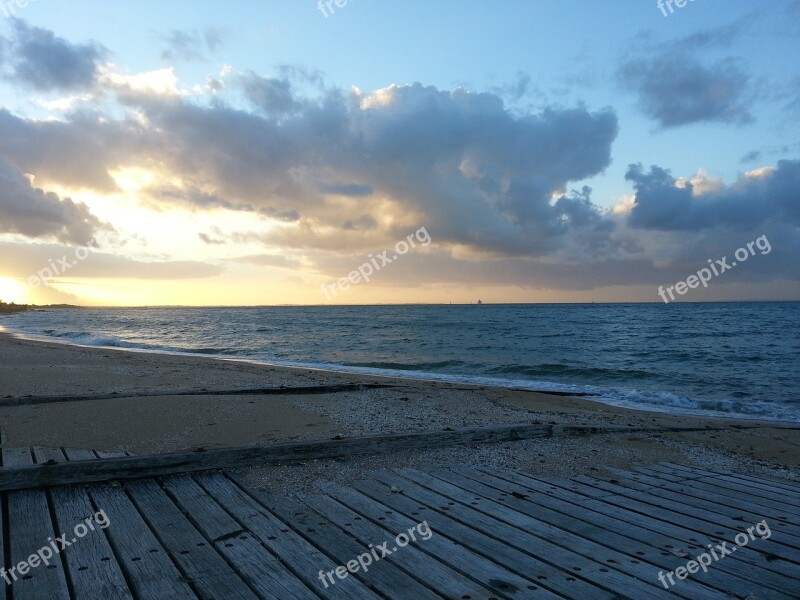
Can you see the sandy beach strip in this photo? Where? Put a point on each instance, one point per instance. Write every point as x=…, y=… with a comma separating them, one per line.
x=132, y=418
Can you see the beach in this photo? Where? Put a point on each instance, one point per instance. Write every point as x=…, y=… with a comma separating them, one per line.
x=137, y=410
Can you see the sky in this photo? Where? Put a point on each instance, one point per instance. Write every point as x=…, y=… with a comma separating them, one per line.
x=298, y=152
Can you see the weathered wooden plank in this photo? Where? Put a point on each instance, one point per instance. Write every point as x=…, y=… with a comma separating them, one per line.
x=506, y=583
x=790, y=487
x=724, y=528
x=139, y=467
x=597, y=527
x=92, y=569
x=544, y=575
x=720, y=512
x=759, y=489
x=594, y=568
x=727, y=489
x=210, y=575
x=277, y=391
x=77, y=454
x=216, y=523
x=302, y=559
x=92, y=566
x=30, y=528
x=337, y=548
x=639, y=515
x=426, y=569
x=3, y=526
x=110, y=453
x=149, y=569
x=263, y=571
x=632, y=565
x=706, y=501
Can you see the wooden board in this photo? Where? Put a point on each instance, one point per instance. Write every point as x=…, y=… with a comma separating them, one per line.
x=425, y=568
x=517, y=560
x=30, y=528
x=139, y=467
x=301, y=561
x=208, y=572
x=145, y=562
x=639, y=516
x=93, y=572
x=384, y=577
x=520, y=531
x=667, y=553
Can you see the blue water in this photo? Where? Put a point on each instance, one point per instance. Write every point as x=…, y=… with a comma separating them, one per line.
x=731, y=358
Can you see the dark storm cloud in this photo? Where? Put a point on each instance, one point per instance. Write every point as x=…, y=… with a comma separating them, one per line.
x=35, y=213
x=46, y=63
x=677, y=89
x=750, y=202
x=270, y=95
x=191, y=45
x=677, y=82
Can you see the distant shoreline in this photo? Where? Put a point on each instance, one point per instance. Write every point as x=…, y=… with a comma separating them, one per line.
x=10, y=309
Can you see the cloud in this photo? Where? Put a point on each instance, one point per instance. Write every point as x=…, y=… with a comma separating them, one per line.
x=354, y=190
x=516, y=89
x=459, y=162
x=270, y=95
x=270, y=260
x=35, y=213
x=191, y=45
x=751, y=156
x=77, y=152
x=759, y=196
x=676, y=88
x=30, y=258
x=49, y=63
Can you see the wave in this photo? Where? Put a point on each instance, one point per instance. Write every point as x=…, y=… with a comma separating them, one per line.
x=538, y=377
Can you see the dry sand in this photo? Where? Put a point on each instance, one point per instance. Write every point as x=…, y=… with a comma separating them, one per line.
x=163, y=423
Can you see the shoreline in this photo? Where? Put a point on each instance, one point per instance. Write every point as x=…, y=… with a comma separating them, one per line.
x=559, y=389
x=168, y=423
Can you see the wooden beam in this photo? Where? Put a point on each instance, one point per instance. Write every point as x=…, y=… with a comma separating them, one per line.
x=138, y=467
x=157, y=465
x=277, y=391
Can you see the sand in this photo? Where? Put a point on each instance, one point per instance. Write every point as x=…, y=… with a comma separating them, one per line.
x=163, y=423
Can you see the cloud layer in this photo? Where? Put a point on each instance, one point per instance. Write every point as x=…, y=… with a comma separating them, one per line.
x=35, y=213
x=326, y=175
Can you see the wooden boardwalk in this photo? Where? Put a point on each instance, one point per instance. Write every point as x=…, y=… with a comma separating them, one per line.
x=489, y=535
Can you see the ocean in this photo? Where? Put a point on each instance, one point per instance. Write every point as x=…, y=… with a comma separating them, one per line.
x=738, y=359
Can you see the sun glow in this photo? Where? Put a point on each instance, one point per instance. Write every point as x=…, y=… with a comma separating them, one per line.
x=12, y=291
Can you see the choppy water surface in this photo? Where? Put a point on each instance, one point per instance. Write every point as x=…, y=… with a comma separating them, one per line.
x=734, y=358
